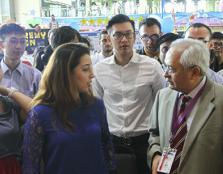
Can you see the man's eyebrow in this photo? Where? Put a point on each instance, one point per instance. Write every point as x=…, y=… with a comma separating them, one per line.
x=123, y=31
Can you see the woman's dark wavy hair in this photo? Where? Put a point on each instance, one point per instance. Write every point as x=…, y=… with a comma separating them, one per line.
x=58, y=87
x=63, y=35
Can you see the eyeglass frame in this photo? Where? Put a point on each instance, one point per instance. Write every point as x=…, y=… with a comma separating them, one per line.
x=217, y=44
x=147, y=37
x=120, y=35
x=15, y=41
x=171, y=70
x=201, y=39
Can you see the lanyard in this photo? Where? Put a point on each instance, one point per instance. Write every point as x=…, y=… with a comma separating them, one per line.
x=177, y=119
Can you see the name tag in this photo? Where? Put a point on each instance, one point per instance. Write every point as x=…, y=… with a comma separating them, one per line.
x=166, y=160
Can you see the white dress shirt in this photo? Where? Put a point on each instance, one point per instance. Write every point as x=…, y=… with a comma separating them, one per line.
x=128, y=92
x=192, y=94
x=97, y=57
x=220, y=72
x=215, y=76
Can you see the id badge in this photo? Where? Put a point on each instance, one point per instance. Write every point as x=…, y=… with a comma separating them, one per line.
x=166, y=160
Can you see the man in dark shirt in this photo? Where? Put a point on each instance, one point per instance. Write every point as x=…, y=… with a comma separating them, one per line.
x=164, y=45
x=216, y=49
x=150, y=31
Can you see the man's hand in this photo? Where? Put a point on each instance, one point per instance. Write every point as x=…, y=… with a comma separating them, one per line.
x=155, y=163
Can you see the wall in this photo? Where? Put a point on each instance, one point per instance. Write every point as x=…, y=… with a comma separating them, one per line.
x=25, y=10
x=6, y=11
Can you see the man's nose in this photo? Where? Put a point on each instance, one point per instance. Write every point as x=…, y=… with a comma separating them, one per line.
x=19, y=44
x=149, y=41
x=166, y=73
x=91, y=73
x=107, y=43
x=124, y=38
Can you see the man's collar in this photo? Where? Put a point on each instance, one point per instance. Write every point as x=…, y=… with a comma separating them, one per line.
x=134, y=59
x=5, y=68
x=194, y=92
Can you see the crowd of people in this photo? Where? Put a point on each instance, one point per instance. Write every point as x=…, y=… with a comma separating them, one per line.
x=154, y=110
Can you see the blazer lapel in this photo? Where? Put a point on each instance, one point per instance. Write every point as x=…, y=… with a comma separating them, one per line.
x=203, y=113
x=169, y=105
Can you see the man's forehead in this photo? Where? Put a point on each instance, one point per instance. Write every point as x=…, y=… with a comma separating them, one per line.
x=196, y=33
x=15, y=35
x=173, y=54
x=169, y=56
x=153, y=29
x=217, y=40
x=104, y=36
x=122, y=27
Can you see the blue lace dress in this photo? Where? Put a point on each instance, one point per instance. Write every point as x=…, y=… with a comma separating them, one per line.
x=86, y=150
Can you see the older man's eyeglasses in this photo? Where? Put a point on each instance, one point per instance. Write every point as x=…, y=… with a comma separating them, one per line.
x=169, y=69
x=147, y=37
x=120, y=35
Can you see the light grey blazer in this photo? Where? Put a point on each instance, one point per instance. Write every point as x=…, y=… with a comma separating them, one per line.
x=203, y=148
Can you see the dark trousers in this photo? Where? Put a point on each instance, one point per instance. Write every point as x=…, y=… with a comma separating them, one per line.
x=134, y=145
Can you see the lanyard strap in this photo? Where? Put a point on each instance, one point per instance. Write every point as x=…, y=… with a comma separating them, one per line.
x=177, y=119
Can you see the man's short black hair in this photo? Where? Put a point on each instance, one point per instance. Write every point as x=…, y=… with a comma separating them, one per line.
x=10, y=28
x=217, y=35
x=168, y=37
x=103, y=32
x=150, y=22
x=63, y=35
x=199, y=25
x=117, y=19
x=86, y=40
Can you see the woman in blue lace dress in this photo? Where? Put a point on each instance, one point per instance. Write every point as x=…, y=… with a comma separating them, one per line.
x=67, y=126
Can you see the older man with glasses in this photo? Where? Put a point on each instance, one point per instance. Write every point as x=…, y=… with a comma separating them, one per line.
x=186, y=118
x=202, y=32
x=150, y=31
x=128, y=83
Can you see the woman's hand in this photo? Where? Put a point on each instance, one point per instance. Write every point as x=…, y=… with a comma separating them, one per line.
x=4, y=91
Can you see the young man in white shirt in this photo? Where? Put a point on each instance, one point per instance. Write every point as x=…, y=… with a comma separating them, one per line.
x=128, y=83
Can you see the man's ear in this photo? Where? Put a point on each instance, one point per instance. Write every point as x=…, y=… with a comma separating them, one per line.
x=161, y=33
x=210, y=45
x=135, y=36
x=196, y=71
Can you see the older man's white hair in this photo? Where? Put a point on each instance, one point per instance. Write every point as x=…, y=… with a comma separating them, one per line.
x=194, y=53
